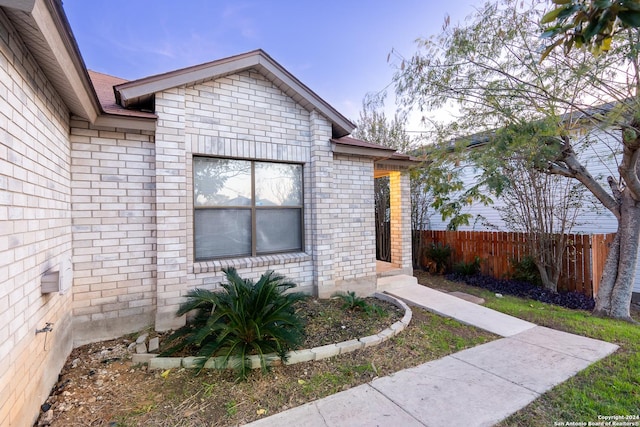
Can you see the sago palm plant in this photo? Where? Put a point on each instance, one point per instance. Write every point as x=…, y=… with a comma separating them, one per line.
x=242, y=319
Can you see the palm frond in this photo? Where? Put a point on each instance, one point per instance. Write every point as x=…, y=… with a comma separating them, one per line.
x=242, y=319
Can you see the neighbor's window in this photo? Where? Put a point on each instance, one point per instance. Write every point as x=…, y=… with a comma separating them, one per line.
x=245, y=208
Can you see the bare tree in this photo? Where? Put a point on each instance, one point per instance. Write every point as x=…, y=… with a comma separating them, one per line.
x=545, y=208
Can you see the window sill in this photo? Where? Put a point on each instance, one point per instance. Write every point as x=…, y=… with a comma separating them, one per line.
x=215, y=266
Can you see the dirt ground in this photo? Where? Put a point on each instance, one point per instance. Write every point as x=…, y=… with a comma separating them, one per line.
x=99, y=385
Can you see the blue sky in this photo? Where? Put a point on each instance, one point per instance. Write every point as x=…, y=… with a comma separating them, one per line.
x=337, y=48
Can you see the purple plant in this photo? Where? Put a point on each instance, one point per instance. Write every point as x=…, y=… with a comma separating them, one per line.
x=573, y=300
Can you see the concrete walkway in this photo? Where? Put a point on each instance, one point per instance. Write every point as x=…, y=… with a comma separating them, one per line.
x=461, y=310
x=476, y=387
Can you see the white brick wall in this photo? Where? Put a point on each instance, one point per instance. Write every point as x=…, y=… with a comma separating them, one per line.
x=35, y=230
x=118, y=203
x=114, y=230
x=246, y=116
x=322, y=203
x=353, y=223
x=171, y=206
x=133, y=204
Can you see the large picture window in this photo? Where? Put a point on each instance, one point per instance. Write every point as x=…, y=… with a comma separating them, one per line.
x=246, y=208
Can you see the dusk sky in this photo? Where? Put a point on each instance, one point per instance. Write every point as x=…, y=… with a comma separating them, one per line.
x=337, y=48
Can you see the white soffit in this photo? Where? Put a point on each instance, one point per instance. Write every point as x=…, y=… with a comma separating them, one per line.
x=44, y=30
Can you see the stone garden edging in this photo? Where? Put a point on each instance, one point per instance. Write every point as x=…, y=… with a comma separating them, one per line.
x=296, y=356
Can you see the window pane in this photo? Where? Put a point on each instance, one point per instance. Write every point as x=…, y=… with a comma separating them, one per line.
x=222, y=233
x=221, y=182
x=278, y=230
x=278, y=184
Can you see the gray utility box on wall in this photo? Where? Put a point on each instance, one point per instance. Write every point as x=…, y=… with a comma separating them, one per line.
x=57, y=279
x=50, y=282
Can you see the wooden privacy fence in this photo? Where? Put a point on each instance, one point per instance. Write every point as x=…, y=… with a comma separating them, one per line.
x=582, y=264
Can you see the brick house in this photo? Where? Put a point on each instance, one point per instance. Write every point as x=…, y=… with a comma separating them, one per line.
x=117, y=197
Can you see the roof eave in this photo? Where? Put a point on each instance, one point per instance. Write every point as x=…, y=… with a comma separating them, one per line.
x=126, y=122
x=21, y=5
x=56, y=51
x=374, y=153
x=132, y=92
x=406, y=162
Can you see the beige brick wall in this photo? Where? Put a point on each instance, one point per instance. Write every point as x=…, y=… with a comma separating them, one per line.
x=118, y=204
x=171, y=206
x=35, y=231
x=133, y=204
x=322, y=205
x=400, y=191
x=245, y=116
x=353, y=222
x=114, y=231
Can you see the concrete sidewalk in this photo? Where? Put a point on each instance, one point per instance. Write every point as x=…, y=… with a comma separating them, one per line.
x=461, y=310
x=476, y=387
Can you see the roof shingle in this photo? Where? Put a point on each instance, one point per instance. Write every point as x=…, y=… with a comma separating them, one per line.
x=103, y=84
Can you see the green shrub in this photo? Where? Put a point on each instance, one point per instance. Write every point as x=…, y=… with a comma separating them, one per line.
x=440, y=254
x=468, y=268
x=242, y=319
x=526, y=270
x=377, y=311
x=353, y=302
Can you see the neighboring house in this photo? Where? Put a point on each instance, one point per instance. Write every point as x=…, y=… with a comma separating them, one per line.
x=118, y=197
x=600, y=158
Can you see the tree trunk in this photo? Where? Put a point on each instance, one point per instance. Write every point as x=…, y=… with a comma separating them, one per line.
x=616, y=286
x=545, y=258
x=547, y=280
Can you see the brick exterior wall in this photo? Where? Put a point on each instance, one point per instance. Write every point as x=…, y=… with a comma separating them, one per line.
x=118, y=205
x=133, y=204
x=353, y=224
x=35, y=231
x=171, y=207
x=400, y=191
x=322, y=203
x=238, y=116
x=114, y=231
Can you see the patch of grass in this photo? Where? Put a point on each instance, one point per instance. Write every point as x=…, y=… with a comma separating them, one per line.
x=362, y=369
x=608, y=387
x=440, y=283
x=207, y=389
x=323, y=382
x=445, y=336
x=232, y=408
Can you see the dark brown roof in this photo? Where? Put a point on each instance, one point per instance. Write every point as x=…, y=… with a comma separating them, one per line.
x=347, y=140
x=103, y=84
x=376, y=151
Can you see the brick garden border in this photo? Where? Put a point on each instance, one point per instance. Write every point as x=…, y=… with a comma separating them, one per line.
x=296, y=356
